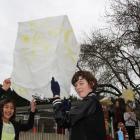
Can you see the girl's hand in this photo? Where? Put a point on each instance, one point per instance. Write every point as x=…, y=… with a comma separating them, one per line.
x=6, y=84
x=33, y=105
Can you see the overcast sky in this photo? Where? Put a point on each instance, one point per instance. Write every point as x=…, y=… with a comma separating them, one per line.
x=84, y=15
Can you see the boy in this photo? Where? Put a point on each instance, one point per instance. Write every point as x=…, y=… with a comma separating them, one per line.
x=85, y=121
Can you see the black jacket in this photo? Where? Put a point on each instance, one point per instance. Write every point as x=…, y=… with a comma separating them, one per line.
x=86, y=121
x=19, y=126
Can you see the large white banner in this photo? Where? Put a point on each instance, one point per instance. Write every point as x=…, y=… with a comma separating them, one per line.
x=45, y=48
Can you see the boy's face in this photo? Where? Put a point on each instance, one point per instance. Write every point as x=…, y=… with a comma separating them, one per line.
x=82, y=87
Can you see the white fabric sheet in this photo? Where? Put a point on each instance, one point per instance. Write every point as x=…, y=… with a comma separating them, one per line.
x=44, y=48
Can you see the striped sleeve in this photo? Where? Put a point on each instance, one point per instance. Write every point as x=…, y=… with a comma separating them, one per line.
x=56, y=101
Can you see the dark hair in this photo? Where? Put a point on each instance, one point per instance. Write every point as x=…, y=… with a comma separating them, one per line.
x=87, y=76
x=6, y=101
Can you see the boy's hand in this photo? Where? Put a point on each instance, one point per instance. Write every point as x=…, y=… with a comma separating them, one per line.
x=55, y=88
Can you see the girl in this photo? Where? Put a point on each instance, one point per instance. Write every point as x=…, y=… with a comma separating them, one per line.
x=9, y=128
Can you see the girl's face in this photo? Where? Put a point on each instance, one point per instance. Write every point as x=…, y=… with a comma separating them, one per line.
x=82, y=87
x=8, y=111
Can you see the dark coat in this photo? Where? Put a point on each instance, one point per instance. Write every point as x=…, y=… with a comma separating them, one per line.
x=19, y=126
x=85, y=122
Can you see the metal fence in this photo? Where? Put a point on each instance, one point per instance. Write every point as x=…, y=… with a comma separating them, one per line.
x=42, y=136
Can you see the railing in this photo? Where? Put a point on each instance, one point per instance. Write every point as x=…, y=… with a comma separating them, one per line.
x=42, y=136
x=54, y=136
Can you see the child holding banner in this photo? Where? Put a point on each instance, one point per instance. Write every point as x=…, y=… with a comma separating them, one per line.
x=9, y=128
x=85, y=121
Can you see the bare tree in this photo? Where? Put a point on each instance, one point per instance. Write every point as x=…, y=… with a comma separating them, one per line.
x=114, y=55
x=125, y=18
x=115, y=65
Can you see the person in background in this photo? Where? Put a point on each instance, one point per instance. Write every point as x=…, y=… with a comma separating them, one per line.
x=130, y=121
x=107, y=126
x=121, y=127
x=118, y=115
x=86, y=120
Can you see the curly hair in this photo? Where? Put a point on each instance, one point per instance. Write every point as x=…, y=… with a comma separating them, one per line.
x=87, y=76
